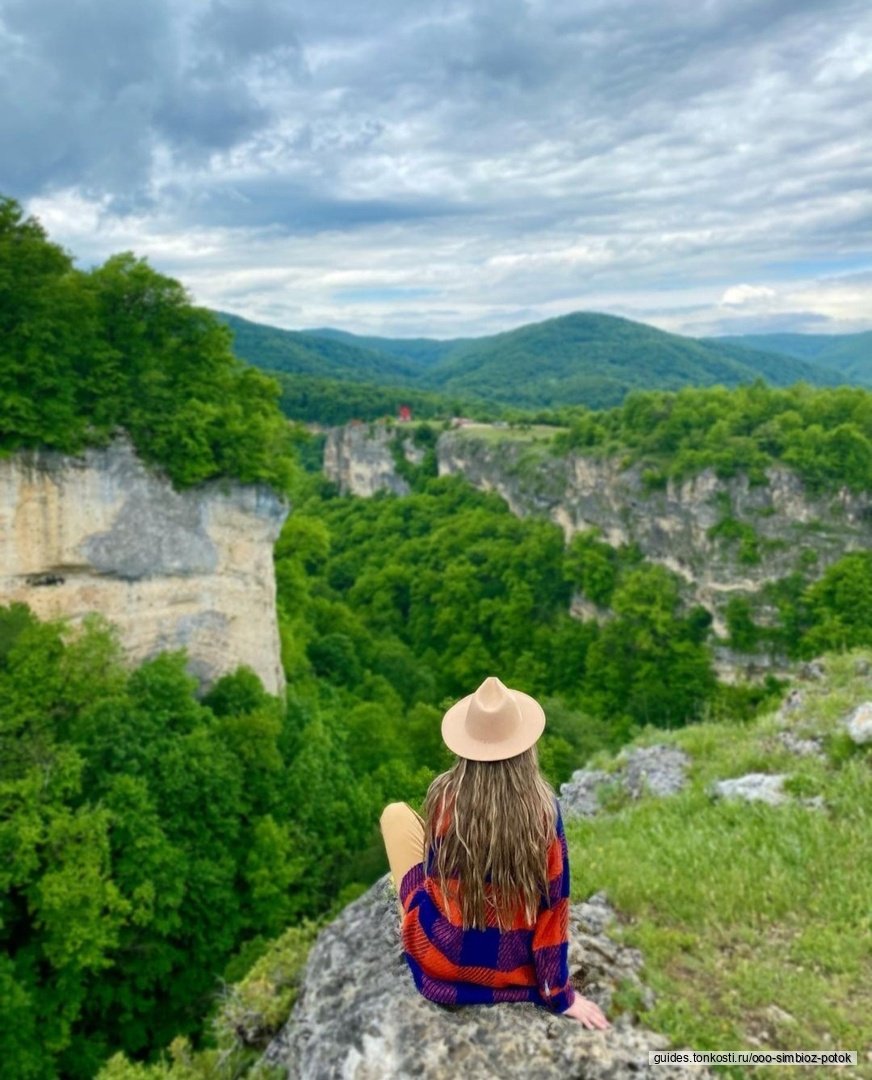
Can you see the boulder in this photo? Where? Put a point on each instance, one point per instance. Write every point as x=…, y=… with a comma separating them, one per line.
x=642, y=770
x=655, y=770
x=859, y=724
x=578, y=796
x=753, y=787
x=812, y=747
x=359, y=1016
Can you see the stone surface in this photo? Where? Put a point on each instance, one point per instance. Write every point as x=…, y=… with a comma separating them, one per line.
x=813, y=670
x=804, y=747
x=653, y=770
x=578, y=795
x=360, y=1017
x=102, y=532
x=859, y=724
x=359, y=460
x=753, y=787
x=794, y=700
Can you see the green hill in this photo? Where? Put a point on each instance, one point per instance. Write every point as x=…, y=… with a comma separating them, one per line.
x=423, y=352
x=301, y=353
x=583, y=358
x=848, y=354
x=595, y=359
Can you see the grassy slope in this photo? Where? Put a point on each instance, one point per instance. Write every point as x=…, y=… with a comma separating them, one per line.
x=848, y=354
x=740, y=906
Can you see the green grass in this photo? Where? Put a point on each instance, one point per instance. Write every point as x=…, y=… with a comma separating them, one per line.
x=736, y=906
x=527, y=433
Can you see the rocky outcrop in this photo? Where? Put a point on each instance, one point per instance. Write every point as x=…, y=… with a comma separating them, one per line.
x=641, y=770
x=102, y=532
x=359, y=1016
x=859, y=724
x=360, y=460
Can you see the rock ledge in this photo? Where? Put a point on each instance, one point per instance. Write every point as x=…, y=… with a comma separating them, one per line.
x=359, y=1016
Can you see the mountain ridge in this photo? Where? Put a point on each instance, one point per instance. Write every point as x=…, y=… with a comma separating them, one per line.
x=584, y=358
x=848, y=354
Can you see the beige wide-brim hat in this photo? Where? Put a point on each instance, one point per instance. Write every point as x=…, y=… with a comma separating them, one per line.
x=493, y=723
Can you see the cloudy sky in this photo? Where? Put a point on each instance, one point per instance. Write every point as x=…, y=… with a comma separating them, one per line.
x=452, y=168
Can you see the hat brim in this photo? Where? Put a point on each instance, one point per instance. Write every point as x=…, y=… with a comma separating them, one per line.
x=459, y=741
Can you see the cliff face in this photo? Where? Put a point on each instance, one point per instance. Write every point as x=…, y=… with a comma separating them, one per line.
x=784, y=522
x=358, y=458
x=102, y=532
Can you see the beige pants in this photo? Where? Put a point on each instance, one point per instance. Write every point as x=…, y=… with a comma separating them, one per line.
x=403, y=833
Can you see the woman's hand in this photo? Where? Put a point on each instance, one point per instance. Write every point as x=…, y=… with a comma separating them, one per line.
x=587, y=1012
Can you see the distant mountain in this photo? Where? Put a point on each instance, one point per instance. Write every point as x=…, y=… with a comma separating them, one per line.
x=582, y=358
x=595, y=359
x=304, y=353
x=848, y=354
x=421, y=351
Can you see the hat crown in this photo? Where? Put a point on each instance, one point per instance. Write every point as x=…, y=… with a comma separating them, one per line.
x=493, y=714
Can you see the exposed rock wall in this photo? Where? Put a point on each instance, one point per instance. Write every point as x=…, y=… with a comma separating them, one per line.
x=359, y=460
x=102, y=532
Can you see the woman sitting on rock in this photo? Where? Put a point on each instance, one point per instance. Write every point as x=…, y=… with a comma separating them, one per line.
x=485, y=917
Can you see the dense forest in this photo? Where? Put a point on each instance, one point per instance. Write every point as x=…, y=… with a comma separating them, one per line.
x=157, y=839
x=824, y=434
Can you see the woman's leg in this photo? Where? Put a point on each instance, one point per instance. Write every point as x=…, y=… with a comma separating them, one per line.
x=403, y=833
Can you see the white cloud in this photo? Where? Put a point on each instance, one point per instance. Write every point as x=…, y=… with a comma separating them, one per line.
x=737, y=295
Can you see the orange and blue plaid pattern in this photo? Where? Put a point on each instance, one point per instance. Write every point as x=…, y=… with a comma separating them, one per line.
x=525, y=962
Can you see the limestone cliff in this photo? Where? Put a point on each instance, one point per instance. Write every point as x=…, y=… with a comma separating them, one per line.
x=671, y=525
x=359, y=459
x=102, y=532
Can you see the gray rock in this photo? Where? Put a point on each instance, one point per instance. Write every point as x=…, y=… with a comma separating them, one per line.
x=778, y=1015
x=761, y=787
x=651, y=770
x=359, y=459
x=578, y=796
x=812, y=747
x=661, y=769
x=753, y=787
x=359, y=1016
x=862, y=666
x=859, y=724
x=105, y=532
x=813, y=670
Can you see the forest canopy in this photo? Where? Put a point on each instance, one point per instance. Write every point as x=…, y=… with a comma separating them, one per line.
x=825, y=434
x=84, y=353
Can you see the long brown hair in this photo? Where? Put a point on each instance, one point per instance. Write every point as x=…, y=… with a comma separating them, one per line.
x=496, y=817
